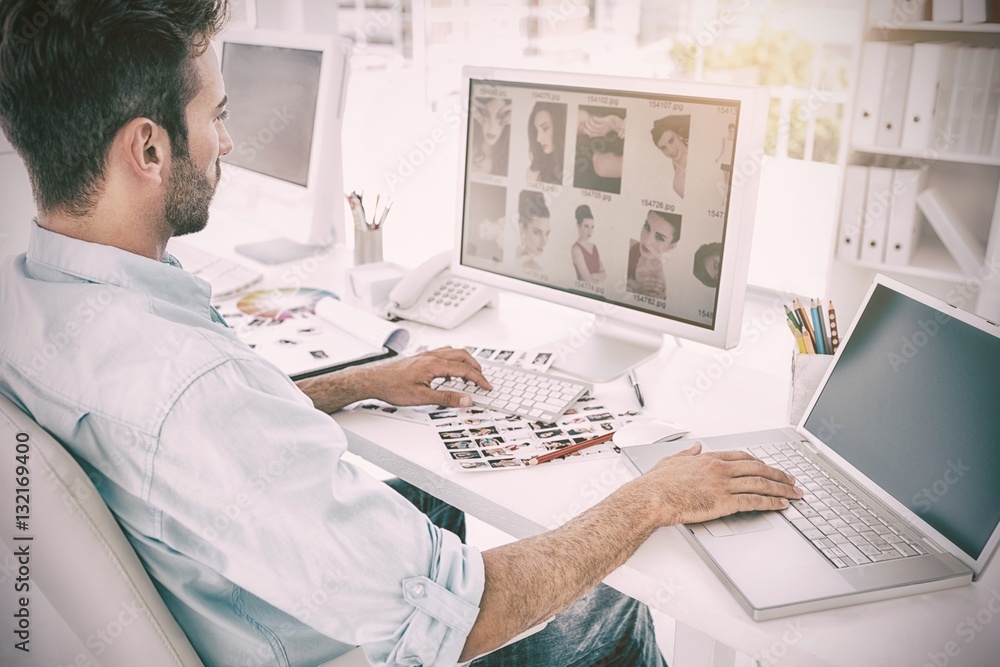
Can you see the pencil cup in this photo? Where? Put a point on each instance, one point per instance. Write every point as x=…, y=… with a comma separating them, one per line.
x=807, y=372
x=367, y=245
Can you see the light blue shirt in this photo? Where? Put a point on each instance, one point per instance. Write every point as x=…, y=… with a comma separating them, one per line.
x=268, y=548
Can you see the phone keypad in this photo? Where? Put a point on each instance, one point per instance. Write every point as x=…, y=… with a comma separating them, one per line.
x=451, y=292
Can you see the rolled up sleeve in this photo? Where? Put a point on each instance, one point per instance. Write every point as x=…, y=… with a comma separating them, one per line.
x=257, y=491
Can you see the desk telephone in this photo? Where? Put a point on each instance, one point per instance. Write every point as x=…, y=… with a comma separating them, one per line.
x=430, y=294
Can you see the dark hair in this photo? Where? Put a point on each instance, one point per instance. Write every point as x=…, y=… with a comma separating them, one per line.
x=703, y=253
x=673, y=219
x=679, y=125
x=74, y=72
x=583, y=213
x=500, y=151
x=530, y=205
x=548, y=165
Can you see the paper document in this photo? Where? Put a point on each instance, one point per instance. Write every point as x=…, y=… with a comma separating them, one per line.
x=306, y=332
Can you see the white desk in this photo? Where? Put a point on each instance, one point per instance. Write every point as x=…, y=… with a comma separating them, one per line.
x=666, y=573
x=744, y=389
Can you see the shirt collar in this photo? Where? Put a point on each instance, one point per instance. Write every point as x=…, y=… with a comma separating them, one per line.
x=58, y=258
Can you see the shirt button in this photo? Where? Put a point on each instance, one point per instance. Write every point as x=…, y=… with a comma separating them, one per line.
x=417, y=590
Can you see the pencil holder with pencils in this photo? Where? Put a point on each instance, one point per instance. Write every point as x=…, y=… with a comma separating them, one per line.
x=367, y=234
x=814, y=328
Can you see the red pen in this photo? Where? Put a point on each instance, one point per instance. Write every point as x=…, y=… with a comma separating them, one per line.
x=557, y=453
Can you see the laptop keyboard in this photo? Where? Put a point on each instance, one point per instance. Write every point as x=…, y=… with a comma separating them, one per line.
x=845, y=529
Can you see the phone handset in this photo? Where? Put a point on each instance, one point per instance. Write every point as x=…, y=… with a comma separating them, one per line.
x=430, y=294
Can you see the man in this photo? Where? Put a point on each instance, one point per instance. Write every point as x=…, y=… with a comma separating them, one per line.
x=227, y=479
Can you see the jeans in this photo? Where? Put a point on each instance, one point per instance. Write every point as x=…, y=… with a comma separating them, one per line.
x=602, y=629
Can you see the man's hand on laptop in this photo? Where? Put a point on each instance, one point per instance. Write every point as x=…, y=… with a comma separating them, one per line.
x=691, y=487
x=405, y=381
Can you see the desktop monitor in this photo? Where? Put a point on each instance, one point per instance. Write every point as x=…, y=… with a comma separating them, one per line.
x=631, y=199
x=286, y=100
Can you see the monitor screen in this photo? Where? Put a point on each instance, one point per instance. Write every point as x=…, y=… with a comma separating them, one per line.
x=273, y=94
x=911, y=404
x=618, y=196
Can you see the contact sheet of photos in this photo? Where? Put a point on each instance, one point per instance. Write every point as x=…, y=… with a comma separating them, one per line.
x=614, y=195
x=479, y=440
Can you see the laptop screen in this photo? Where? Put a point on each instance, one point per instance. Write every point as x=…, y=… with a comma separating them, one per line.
x=913, y=403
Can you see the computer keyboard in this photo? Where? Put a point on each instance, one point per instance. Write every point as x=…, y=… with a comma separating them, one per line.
x=225, y=276
x=516, y=391
x=846, y=529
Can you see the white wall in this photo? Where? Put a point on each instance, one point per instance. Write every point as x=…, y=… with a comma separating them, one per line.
x=17, y=207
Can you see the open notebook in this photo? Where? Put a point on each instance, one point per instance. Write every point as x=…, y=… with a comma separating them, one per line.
x=307, y=332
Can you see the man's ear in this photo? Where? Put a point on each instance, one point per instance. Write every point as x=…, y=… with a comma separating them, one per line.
x=145, y=148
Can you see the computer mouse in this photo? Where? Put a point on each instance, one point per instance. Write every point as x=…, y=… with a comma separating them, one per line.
x=648, y=431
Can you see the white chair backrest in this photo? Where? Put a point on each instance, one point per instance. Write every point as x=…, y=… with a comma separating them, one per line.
x=90, y=601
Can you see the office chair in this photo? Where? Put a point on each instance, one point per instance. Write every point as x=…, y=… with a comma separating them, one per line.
x=88, y=587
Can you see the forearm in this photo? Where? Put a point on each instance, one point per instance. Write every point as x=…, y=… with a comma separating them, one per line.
x=332, y=391
x=531, y=580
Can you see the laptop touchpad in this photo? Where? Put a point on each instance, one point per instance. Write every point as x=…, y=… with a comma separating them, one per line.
x=737, y=524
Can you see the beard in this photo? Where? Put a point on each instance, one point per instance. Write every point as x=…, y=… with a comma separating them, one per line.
x=189, y=193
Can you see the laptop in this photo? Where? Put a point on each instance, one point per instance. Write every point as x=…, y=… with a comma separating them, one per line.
x=899, y=455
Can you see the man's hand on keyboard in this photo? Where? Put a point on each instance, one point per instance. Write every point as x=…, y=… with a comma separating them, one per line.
x=408, y=381
x=691, y=487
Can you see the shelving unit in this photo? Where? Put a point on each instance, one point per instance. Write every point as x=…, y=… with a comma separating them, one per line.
x=970, y=182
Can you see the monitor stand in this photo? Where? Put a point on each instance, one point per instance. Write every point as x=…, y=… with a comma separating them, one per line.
x=276, y=251
x=605, y=350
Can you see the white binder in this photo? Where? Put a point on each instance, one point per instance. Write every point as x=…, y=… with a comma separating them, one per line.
x=946, y=10
x=973, y=11
x=981, y=80
x=992, y=108
x=903, y=232
x=864, y=129
x=897, y=76
x=955, y=236
x=930, y=65
x=957, y=127
x=852, y=210
x=876, y=219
